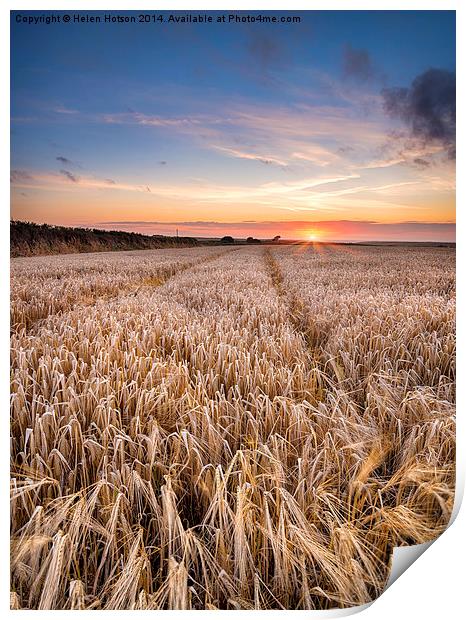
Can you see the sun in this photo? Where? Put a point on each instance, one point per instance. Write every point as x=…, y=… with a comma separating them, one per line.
x=313, y=236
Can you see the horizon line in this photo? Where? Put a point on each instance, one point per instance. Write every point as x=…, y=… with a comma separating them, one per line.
x=98, y=226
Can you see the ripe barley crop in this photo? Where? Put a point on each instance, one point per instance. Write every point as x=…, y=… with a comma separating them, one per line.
x=241, y=429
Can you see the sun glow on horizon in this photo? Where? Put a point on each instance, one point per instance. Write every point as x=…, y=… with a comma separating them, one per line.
x=314, y=236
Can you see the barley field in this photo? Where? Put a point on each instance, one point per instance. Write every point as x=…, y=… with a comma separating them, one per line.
x=228, y=428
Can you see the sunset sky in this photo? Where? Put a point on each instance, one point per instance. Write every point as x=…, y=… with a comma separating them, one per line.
x=341, y=127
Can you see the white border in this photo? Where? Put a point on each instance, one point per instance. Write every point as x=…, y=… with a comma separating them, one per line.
x=434, y=586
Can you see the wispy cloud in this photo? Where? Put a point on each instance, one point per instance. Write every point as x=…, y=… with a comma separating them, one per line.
x=397, y=149
x=137, y=118
x=67, y=181
x=263, y=159
x=61, y=109
x=69, y=175
x=282, y=195
x=281, y=135
x=323, y=194
x=19, y=176
x=318, y=155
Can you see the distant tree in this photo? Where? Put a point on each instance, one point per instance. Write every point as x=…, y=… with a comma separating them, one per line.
x=252, y=240
x=276, y=239
x=227, y=239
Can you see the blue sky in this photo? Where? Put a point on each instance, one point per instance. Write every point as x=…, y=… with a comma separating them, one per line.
x=144, y=126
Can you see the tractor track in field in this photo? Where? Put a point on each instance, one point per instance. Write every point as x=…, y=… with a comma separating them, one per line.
x=295, y=311
x=294, y=306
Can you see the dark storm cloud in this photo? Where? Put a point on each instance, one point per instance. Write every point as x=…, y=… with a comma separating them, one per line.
x=428, y=107
x=358, y=65
x=69, y=175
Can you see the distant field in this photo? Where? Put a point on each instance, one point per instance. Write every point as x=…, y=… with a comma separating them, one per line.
x=239, y=428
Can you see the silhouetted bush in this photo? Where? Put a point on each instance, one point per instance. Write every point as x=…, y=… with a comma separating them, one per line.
x=227, y=239
x=29, y=239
